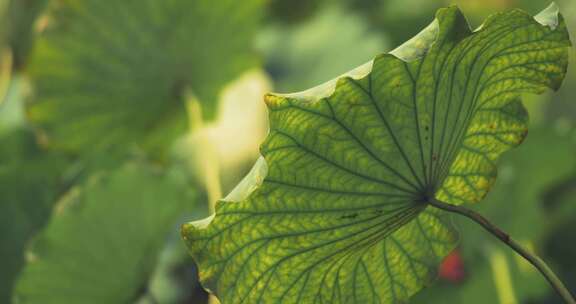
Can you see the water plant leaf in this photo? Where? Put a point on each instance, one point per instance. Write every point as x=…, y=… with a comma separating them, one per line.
x=102, y=242
x=115, y=74
x=30, y=181
x=339, y=210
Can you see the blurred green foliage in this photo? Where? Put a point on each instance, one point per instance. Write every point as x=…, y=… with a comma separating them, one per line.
x=96, y=78
x=304, y=55
x=27, y=198
x=104, y=238
x=144, y=57
x=19, y=22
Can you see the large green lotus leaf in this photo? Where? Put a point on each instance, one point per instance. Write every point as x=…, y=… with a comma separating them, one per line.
x=104, y=237
x=29, y=184
x=342, y=213
x=114, y=73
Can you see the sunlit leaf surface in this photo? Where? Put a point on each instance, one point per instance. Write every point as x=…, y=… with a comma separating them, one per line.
x=113, y=73
x=341, y=215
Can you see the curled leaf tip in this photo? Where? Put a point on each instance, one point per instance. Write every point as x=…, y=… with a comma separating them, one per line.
x=549, y=16
x=190, y=227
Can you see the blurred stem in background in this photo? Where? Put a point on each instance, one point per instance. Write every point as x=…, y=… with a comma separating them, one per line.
x=206, y=158
x=501, y=275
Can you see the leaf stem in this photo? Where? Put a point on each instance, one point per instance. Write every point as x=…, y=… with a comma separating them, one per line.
x=209, y=163
x=506, y=239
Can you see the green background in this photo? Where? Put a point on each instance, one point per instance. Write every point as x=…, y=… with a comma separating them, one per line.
x=102, y=159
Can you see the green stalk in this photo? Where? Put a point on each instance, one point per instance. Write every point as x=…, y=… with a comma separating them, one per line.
x=210, y=164
x=506, y=239
x=501, y=276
